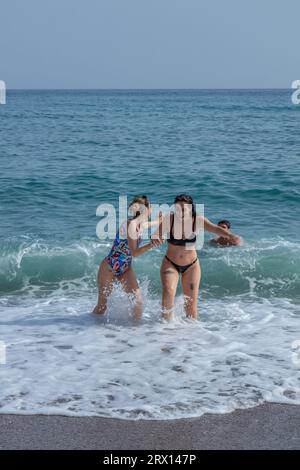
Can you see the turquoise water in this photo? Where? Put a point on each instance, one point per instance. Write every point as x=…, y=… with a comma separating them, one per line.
x=62, y=153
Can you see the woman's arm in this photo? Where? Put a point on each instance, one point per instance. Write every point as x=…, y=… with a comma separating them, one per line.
x=163, y=228
x=220, y=231
x=153, y=223
x=133, y=241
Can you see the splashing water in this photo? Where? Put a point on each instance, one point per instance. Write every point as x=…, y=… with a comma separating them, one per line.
x=65, y=152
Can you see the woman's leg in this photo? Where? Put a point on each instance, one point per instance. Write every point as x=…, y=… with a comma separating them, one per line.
x=169, y=278
x=130, y=285
x=190, y=286
x=105, y=284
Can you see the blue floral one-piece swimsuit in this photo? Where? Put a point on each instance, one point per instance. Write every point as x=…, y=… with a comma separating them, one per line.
x=120, y=257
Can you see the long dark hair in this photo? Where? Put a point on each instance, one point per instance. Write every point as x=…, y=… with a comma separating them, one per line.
x=188, y=200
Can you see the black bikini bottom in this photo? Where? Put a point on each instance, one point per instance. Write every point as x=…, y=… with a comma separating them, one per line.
x=181, y=269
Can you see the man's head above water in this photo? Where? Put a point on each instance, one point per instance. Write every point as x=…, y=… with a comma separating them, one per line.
x=221, y=240
x=224, y=224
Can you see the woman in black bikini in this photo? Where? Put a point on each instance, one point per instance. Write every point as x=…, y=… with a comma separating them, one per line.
x=181, y=257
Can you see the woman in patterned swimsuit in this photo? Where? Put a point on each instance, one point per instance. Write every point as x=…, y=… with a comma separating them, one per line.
x=117, y=265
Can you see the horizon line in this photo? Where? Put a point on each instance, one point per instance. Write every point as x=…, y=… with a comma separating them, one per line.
x=145, y=89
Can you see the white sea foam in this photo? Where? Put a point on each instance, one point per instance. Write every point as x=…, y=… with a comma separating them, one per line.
x=62, y=360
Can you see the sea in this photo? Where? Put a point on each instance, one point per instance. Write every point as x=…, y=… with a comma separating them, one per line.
x=65, y=152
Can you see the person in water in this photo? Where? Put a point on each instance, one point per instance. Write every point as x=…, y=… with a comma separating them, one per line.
x=181, y=258
x=117, y=265
x=223, y=241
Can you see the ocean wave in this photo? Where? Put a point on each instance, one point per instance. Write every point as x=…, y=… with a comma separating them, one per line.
x=61, y=360
x=267, y=268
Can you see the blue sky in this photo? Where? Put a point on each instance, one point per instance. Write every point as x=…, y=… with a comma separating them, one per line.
x=149, y=43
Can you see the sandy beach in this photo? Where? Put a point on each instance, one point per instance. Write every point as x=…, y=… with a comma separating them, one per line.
x=269, y=426
x=149, y=238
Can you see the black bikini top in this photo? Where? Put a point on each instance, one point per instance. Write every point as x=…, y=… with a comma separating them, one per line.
x=182, y=241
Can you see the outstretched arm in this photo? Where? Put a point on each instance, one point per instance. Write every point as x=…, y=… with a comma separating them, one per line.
x=220, y=231
x=162, y=229
x=153, y=223
x=133, y=241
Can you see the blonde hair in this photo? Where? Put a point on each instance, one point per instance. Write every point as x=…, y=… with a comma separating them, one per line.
x=142, y=200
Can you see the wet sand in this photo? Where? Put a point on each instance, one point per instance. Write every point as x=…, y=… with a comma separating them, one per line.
x=268, y=426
